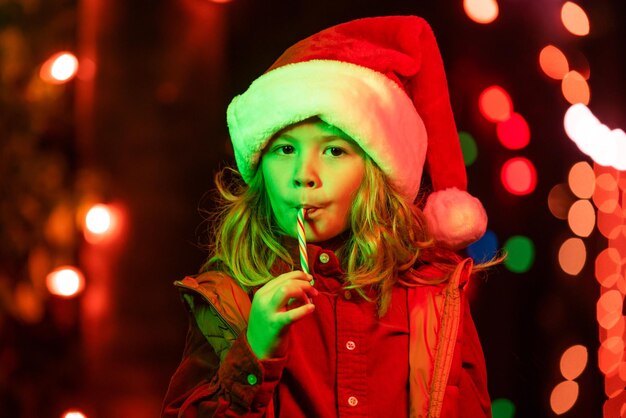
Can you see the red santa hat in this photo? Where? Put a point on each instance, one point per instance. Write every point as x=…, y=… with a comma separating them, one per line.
x=381, y=81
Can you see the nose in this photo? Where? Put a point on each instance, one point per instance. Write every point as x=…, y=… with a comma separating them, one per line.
x=306, y=173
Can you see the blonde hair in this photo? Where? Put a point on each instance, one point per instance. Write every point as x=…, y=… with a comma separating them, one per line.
x=388, y=235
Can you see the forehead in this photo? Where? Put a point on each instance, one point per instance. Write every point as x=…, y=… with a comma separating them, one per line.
x=313, y=128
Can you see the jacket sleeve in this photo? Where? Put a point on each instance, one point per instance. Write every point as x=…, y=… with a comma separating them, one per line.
x=474, y=399
x=238, y=385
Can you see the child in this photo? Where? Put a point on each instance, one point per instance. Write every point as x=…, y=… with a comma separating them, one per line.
x=341, y=126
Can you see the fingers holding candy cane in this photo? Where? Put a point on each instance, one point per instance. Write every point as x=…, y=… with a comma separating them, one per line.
x=272, y=313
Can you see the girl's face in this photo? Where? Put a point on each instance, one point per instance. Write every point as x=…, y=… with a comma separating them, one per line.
x=316, y=166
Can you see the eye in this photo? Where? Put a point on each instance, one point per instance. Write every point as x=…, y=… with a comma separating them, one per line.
x=284, y=149
x=335, y=151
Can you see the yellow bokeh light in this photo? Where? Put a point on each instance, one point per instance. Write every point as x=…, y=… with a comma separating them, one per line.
x=574, y=361
x=481, y=11
x=563, y=397
x=73, y=414
x=572, y=256
x=582, y=180
x=575, y=19
x=65, y=281
x=59, y=68
x=98, y=219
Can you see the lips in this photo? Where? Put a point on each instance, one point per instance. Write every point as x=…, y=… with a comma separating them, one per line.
x=309, y=209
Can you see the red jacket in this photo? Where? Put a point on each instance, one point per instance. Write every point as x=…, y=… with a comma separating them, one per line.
x=447, y=371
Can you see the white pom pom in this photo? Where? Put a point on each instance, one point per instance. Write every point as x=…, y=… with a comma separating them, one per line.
x=455, y=218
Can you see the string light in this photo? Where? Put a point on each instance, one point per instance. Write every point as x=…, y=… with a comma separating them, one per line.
x=563, y=397
x=519, y=176
x=574, y=19
x=66, y=281
x=606, y=147
x=553, y=62
x=481, y=11
x=495, y=104
x=59, y=68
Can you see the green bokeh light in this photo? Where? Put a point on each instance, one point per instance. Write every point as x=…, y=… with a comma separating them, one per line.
x=520, y=252
x=469, y=148
x=502, y=408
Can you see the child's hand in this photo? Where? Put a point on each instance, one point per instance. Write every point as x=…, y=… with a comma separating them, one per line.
x=279, y=303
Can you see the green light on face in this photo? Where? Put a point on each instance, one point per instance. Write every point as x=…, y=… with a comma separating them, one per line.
x=502, y=408
x=520, y=254
x=468, y=147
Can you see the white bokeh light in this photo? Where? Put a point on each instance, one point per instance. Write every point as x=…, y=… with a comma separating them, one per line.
x=605, y=146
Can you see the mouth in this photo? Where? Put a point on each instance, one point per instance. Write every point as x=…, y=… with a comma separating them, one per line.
x=309, y=210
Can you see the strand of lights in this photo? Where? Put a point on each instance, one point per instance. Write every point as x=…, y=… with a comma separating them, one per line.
x=605, y=146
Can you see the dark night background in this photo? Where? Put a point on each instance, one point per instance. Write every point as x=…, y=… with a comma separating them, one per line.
x=147, y=132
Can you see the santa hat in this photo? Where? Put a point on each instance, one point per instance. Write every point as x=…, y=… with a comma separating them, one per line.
x=381, y=81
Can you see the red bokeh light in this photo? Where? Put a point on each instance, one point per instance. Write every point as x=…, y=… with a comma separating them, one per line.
x=514, y=132
x=519, y=176
x=495, y=104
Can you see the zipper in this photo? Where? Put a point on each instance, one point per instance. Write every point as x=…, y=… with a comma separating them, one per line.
x=180, y=284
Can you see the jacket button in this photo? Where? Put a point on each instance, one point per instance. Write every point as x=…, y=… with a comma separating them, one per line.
x=350, y=345
x=353, y=401
x=252, y=380
x=324, y=258
x=347, y=295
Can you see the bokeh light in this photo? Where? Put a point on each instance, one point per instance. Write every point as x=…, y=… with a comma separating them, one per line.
x=563, y=397
x=582, y=218
x=520, y=254
x=611, y=224
x=469, y=148
x=59, y=68
x=98, y=219
x=575, y=88
x=514, y=132
x=606, y=193
x=485, y=248
x=609, y=308
x=495, y=104
x=481, y=11
x=605, y=146
x=582, y=180
x=608, y=267
x=614, y=386
x=65, y=281
x=502, y=408
x=518, y=176
x=559, y=201
x=572, y=256
x=73, y=414
x=553, y=62
x=574, y=361
x=574, y=19
x=611, y=354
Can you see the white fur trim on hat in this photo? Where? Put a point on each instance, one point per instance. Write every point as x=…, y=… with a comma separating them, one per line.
x=365, y=104
x=455, y=218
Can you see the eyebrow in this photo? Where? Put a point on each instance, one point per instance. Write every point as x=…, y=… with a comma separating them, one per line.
x=325, y=138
